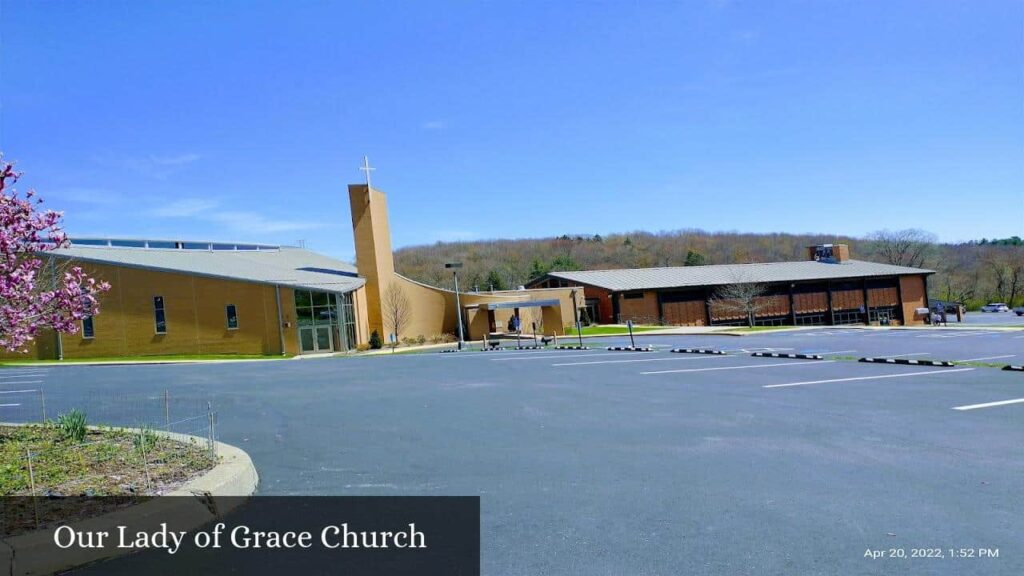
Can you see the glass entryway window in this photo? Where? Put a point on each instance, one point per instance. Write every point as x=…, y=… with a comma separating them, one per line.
x=318, y=315
x=348, y=318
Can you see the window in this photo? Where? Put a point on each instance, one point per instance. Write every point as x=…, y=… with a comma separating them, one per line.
x=232, y=317
x=88, y=331
x=633, y=295
x=158, y=315
x=315, y=308
x=348, y=316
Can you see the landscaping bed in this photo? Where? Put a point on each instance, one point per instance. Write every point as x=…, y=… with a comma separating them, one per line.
x=102, y=462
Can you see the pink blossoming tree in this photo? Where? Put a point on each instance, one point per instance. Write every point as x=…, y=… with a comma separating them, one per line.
x=37, y=292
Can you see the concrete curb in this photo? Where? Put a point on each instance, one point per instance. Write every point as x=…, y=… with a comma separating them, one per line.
x=191, y=506
x=782, y=355
x=572, y=348
x=1013, y=368
x=629, y=349
x=696, y=351
x=141, y=362
x=942, y=363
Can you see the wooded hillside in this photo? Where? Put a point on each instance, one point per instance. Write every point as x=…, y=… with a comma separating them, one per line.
x=974, y=272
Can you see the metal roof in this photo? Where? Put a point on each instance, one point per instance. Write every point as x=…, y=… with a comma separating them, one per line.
x=285, y=266
x=722, y=274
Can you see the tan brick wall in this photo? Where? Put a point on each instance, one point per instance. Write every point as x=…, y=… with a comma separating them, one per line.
x=195, y=311
x=374, y=259
x=433, y=309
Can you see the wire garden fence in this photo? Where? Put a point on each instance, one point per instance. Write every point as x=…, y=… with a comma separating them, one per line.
x=134, y=458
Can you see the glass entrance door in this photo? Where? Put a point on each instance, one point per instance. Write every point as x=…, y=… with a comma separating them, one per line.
x=316, y=339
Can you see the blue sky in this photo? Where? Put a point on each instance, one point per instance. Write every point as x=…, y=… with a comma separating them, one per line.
x=245, y=120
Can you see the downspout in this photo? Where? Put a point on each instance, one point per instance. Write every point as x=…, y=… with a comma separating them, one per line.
x=280, y=317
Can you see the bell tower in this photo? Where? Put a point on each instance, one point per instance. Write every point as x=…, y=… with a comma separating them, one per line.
x=372, y=235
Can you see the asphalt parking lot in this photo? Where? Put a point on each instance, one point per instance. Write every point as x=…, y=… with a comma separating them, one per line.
x=597, y=462
x=993, y=319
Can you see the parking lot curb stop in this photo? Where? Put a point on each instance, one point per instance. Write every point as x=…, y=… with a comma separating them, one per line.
x=629, y=349
x=782, y=355
x=944, y=363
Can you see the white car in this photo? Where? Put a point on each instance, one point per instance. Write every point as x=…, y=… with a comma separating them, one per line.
x=995, y=307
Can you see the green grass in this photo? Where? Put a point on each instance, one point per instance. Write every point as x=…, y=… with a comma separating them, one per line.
x=165, y=358
x=613, y=330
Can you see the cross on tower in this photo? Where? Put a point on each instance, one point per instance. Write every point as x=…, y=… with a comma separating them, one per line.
x=366, y=168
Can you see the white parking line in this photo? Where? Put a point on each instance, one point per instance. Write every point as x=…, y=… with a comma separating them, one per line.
x=773, y=365
x=475, y=353
x=879, y=377
x=19, y=382
x=989, y=404
x=22, y=370
x=671, y=359
x=7, y=405
x=17, y=391
x=558, y=356
x=507, y=355
x=902, y=355
x=832, y=352
x=986, y=358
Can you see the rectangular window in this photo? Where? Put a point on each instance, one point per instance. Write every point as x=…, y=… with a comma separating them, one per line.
x=158, y=314
x=633, y=295
x=232, y=317
x=87, y=328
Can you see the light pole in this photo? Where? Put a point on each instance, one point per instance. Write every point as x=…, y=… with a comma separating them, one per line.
x=454, y=267
x=576, y=317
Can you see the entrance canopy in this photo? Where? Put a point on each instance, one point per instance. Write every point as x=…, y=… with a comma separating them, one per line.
x=520, y=304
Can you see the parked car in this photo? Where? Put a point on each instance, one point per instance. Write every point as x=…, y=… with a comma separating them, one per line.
x=995, y=307
x=1019, y=310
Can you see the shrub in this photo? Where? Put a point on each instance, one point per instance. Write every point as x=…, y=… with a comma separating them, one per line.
x=421, y=339
x=145, y=440
x=72, y=425
x=446, y=337
x=436, y=338
x=362, y=347
x=375, y=342
x=409, y=341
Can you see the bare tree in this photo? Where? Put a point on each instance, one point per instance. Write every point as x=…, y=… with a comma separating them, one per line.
x=957, y=286
x=396, y=308
x=910, y=247
x=747, y=298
